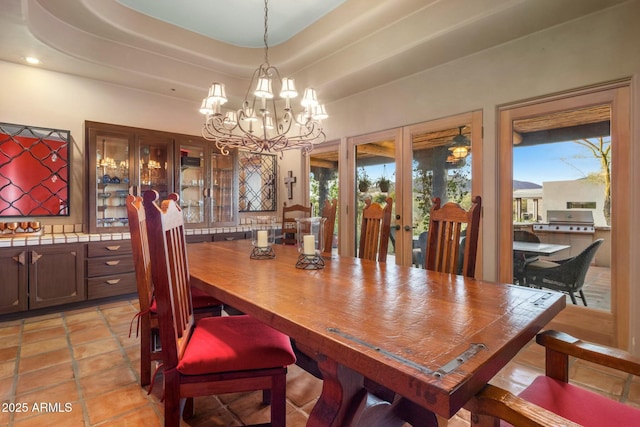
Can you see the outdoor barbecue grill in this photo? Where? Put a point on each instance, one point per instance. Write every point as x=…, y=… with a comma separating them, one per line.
x=567, y=221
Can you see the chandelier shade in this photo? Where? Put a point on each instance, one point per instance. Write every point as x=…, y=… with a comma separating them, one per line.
x=264, y=123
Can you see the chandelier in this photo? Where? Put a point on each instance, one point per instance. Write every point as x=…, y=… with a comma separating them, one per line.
x=259, y=125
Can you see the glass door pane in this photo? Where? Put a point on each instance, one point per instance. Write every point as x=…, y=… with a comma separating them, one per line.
x=375, y=180
x=324, y=184
x=192, y=185
x=562, y=173
x=222, y=188
x=441, y=167
x=112, y=180
x=155, y=165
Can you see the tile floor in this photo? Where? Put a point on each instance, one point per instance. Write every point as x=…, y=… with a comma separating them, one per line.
x=80, y=367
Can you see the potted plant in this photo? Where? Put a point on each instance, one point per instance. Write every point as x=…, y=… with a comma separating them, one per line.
x=383, y=183
x=364, y=182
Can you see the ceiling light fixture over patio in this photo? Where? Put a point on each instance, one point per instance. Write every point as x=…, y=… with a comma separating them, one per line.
x=460, y=147
x=259, y=126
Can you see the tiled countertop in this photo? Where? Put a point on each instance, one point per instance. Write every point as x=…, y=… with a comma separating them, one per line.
x=54, y=235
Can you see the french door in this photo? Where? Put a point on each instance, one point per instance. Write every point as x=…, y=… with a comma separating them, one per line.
x=575, y=118
x=439, y=158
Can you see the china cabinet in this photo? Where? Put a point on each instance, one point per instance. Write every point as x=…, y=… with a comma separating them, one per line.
x=125, y=160
x=206, y=184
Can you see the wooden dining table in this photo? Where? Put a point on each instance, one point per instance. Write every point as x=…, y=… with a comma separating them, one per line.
x=432, y=339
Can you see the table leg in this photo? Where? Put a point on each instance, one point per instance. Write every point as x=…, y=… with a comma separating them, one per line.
x=342, y=393
x=345, y=402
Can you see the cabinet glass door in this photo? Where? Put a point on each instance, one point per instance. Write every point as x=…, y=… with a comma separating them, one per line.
x=223, y=188
x=192, y=184
x=112, y=180
x=154, y=165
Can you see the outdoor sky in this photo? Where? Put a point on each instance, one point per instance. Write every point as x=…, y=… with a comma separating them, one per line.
x=560, y=161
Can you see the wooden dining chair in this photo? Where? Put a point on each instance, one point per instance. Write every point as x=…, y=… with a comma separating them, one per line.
x=552, y=396
x=289, y=226
x=448, y=249
x=226, y=354
x=375, y=230
x=329, y=213
x=147, y=317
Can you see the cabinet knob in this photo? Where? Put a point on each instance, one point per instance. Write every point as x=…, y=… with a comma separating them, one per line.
x=114, y=262
x=21, y=259
x=35, y=256
x=113, y=248
x=113, y=281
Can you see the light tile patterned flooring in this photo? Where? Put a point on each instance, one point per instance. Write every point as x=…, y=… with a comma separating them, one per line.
x=80, y=367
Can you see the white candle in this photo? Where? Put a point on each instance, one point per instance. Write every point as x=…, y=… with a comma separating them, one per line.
x=262, y=238
x=309, y=244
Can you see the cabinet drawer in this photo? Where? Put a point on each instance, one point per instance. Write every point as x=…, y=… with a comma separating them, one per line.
x=109, y=265
x=110, y=248
x=107, y=286
x=221, y=237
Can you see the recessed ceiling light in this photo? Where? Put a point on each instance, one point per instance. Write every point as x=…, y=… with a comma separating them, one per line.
x=32, y=60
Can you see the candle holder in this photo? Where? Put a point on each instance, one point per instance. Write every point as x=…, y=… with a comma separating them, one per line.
x=310, y=243
x=263, y=237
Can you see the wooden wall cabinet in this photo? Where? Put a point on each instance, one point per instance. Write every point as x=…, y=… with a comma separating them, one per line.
x=41, y=276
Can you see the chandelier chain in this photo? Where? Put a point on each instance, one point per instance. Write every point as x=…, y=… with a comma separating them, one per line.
x=266, y=33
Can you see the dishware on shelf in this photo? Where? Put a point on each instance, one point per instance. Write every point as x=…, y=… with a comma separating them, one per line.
x=263, y=237
x=310, y=243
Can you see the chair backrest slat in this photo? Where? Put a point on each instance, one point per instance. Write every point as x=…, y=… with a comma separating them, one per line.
x=446, y=237
x=170, y=273
x=329, y=213
x=375, y=230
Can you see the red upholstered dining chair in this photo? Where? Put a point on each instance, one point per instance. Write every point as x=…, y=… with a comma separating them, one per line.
x=448, y=250
x=204, y=305
x=329, y=213
x=552, y=395
x=375, y=230
x=289, y=225
x=226, y=354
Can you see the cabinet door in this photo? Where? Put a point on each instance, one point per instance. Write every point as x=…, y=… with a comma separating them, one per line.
x=124, y=160
x=109, y=154
x=13, y=271
x=192, y=182
x=224, y=193
x=56, y=275
x=207, y=181
x=155, y=163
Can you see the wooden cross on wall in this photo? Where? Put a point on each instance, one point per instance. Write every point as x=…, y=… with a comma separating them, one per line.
x=288, y=181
